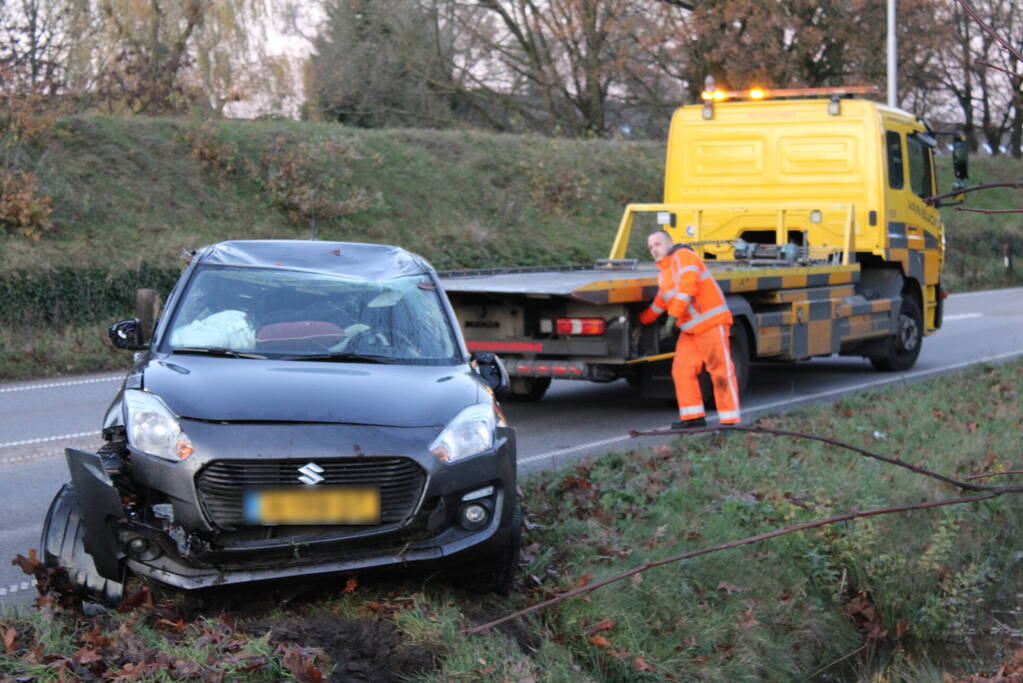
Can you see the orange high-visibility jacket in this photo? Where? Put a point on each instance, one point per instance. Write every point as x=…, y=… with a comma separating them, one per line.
x=687, y=290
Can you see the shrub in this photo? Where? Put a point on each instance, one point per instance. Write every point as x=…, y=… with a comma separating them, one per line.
x=22, y=211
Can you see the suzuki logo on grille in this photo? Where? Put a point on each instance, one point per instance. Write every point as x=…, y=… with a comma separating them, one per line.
x=310, y=473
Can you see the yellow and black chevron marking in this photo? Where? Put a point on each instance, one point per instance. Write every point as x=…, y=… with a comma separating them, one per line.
x=820, y=327
x=917, y=250
x=731, y=280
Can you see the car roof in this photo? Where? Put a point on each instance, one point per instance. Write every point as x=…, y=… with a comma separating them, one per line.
x=351, y=259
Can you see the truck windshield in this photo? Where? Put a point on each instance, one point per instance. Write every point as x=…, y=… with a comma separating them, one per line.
x=277, y=313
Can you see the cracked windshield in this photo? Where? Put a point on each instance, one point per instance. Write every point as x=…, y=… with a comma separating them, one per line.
x=300, y=315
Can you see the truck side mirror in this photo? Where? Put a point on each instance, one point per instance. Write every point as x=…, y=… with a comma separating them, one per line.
x=961, y=159
x=491, y=369
x=127, y=334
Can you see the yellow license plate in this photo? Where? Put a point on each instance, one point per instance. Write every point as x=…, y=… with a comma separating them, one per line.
x=326, y=505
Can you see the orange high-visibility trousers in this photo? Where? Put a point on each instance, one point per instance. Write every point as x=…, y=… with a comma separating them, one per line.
x=711, y=349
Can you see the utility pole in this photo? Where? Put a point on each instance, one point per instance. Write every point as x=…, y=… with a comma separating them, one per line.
x=893, y=58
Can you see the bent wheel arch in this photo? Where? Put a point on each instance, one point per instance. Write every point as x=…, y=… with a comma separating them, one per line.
x=63, y=545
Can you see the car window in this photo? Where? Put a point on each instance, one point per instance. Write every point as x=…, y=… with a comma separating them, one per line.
x=285, y=313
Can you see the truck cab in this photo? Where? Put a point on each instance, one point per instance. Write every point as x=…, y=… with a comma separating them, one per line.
x=787, y=167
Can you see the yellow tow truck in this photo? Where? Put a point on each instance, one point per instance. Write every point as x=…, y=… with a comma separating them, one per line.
x=811, y=209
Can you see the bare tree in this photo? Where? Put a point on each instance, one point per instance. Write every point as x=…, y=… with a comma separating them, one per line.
x=34, y=43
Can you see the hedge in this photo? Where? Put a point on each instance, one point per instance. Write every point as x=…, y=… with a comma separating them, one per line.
x=66, y=294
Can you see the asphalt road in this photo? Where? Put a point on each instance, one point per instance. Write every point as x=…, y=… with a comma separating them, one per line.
x=576, y=419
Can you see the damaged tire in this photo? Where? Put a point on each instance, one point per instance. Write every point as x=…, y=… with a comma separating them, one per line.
x=63, y=545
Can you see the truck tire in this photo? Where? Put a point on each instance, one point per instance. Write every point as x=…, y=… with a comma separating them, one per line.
x=529, y=388
x=738, y=342
x=903, y=348
x=63, y=545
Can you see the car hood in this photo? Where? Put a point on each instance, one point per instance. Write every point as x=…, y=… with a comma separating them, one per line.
x=255, y=390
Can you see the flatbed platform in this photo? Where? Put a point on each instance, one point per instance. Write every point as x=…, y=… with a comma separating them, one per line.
x=639, y=284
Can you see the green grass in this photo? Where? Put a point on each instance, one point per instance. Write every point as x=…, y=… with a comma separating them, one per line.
x=975, y=241
x=136, y=189
x=887, y=598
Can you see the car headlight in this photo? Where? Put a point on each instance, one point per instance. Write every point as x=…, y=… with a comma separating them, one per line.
x=153, y=428
x=470, y=432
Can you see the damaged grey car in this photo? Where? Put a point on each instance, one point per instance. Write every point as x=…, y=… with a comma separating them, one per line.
x=298, y=409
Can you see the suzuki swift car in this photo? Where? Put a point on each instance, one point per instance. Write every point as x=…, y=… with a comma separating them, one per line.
x=299, y=409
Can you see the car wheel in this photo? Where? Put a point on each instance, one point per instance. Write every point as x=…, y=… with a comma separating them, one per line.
x=63, y=545
x=499, y=574
x=903, y=348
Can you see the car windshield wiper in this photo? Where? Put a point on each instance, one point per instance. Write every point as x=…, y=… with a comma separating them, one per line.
x=217, y=351
x=343, y=357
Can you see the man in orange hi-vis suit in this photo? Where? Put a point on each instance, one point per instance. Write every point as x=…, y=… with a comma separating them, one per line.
x=687, y=291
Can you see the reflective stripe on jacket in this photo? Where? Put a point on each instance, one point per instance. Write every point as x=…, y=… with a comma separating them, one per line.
x=687, y=291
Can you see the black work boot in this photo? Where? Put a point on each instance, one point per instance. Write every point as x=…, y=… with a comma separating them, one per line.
x=698, y=423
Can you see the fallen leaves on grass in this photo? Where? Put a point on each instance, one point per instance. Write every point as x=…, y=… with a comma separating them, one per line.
x=863, y=613
x=301, y=662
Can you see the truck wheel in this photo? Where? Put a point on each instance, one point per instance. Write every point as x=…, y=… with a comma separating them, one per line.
x=529, y=389
x=63, y=545
x=902, y=349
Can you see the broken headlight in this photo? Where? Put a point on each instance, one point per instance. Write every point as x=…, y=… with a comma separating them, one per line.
x=152, y=427
x=469, y=433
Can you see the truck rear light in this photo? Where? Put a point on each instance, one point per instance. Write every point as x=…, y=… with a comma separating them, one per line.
x=542, y=369
x=524, y=369
x=560, y=370
x=581, y=325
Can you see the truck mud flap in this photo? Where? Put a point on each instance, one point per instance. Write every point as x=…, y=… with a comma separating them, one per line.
x=99, y=501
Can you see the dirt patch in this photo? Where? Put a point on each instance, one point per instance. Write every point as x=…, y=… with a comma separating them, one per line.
x=359, y=649
x=488, y=609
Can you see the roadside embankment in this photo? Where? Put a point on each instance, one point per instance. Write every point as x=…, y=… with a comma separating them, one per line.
x=876, y=596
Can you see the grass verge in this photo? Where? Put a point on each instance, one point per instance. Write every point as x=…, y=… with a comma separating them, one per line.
x=867, y=597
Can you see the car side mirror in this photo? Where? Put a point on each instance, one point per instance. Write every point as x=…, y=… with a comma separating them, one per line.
x=961, y=159
x=127, y=334
x=491, y=369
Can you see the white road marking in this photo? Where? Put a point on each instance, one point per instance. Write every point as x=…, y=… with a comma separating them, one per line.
x=70, y=383
x=984, y=292
x=573, y=449
x=802, y=399
x=44, y=439
x=961, y=316
x=28, y=458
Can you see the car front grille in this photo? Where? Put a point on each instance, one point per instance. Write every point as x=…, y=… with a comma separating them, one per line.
x=222, y=483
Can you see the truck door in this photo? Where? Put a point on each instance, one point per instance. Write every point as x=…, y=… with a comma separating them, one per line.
x=913, y=229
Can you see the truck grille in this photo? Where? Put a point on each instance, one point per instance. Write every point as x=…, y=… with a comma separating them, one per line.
x=221, y=484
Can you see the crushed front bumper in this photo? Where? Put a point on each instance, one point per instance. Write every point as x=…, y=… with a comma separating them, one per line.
x=192, y=551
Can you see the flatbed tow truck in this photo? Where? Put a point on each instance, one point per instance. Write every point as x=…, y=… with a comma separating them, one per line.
x=811, y=209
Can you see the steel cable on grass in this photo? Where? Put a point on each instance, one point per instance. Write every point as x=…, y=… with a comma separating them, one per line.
x=988, y=492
